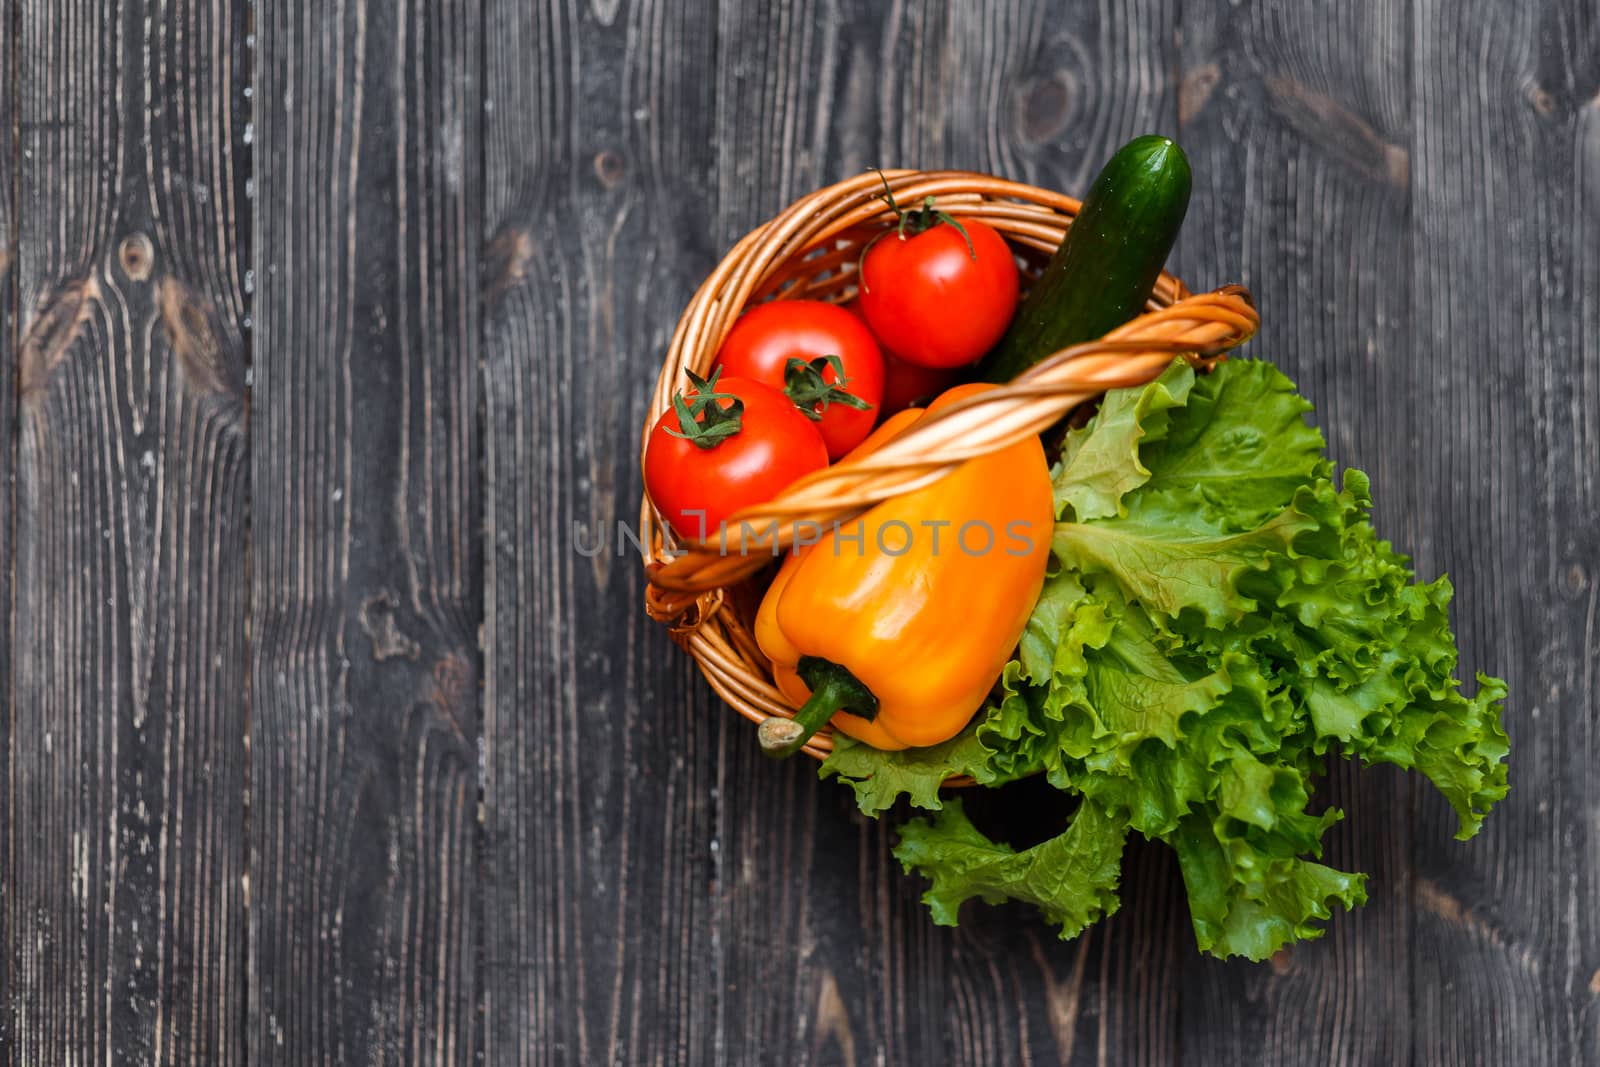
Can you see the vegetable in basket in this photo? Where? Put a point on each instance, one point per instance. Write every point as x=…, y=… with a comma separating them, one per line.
x=1221, y=621
x=1105, y=270
x=1206, y=619
x=897, y=630
x=725, y=443
x=936, y=291
x=818, y=354
x=906, y=384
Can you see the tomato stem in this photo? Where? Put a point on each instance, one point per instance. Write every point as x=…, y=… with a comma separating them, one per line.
x=833, y=689
x=705, y=422
x=918, y=221
x=888, y=193
x=804, y=384
x=929, y=216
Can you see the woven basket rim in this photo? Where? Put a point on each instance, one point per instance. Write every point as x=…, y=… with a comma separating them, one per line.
x=703, y=592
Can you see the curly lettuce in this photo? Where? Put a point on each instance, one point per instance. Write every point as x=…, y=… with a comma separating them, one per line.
x=1222, y=619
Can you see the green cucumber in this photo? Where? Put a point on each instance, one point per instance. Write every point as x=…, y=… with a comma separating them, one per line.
x=1104, y=271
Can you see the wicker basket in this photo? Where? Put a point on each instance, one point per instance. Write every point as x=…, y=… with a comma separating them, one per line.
x=708, y=594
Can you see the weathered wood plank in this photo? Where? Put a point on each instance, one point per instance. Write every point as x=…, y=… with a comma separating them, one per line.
x=808, y=93
x=1412, y=190
x=600, y=848
x=1505, y=209
x=8, y=397
x=1580, y=419
x=366, y=554
x=1297, y=120
x=125, y=796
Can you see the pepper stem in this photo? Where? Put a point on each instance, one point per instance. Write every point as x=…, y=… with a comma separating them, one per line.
x=833, y=689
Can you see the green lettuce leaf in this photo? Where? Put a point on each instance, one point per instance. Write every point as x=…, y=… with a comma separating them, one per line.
x=1071, y=879
x=1238, y=452
x=1169, y=568
x=880, y=778
x=1222, y=620
x=1249, y=898
x=1100, y=464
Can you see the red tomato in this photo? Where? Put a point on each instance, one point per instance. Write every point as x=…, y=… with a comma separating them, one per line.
x=934, y=302
x=769, y=335
x=738, y=460
x=907, y=385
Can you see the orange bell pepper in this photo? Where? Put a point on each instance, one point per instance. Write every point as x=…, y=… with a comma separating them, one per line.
x=896, y=627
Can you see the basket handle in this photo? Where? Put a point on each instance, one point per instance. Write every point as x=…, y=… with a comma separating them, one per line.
x=1202, y=326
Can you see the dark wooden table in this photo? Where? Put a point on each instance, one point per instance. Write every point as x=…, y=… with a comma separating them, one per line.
x=328, y=323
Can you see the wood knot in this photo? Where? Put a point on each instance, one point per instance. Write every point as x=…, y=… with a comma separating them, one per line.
x=137, y=257
x=1196, y=89
x=833, y=1020
x=506, y=262
x=1575, y=580
x=452, y=688
x=452, y=682
x=1046, y=107
x=609, y=168
x=187, y=318
x=1345, y=135
x=377, y=618
x=1540, y=99
x=56, y=325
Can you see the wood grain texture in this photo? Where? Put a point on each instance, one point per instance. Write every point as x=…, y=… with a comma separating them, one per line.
x=809, y=93
x=125, y=786
x=8, y=370
x=601, y=863
x=253, y=808
x=366, y=557
x=1578, y=419
x=1297, y=122
x=1504, y=210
